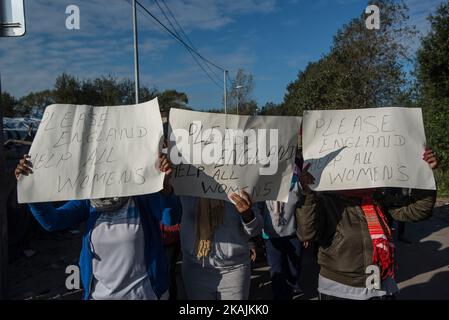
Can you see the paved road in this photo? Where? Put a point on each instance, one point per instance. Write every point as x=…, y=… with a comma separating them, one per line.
x=423, y=264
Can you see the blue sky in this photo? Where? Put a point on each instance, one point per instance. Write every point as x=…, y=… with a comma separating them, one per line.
x=272, y=39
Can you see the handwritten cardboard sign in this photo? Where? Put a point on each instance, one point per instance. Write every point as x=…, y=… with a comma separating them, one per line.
x=195, y=177
x=366, y=148
x=85, y=152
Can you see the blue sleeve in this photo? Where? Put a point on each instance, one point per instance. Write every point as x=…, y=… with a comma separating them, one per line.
x=166, y=209
x=57, y=219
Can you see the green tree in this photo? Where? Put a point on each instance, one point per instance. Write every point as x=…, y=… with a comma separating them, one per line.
x=272, y=109
x=34, y=103
x=101, y=91
x=248, y=108
x=241, y=94
x=433, y=57
x=8, y=104
x=363, y=68
x=67, y=90
x=315, y=88
x=110, y=91
x=432, y=72
x=172, y=99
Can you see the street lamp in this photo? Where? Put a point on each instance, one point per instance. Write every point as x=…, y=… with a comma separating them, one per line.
x=238, y=96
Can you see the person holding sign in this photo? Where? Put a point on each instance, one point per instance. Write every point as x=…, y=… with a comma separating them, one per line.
x=214, y=242
x=122, y=256
x=356, y=253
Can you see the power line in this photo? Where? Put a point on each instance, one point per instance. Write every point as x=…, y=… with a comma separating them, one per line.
x=144, y=14
x=190, y=51
x=177, y=23
x=178, y=38
x=193, y=56
x=181, y=29
x=168, y=20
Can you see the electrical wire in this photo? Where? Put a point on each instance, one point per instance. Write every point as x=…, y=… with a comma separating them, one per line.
x=219, y=82
x=181, y=29
x=164, y=28
x=178, y=38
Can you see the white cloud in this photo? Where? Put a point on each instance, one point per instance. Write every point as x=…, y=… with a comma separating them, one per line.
x=213, y=14
x=103, y=45
x=419, y=11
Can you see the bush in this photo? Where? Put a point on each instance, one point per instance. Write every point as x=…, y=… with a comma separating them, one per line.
x=442, y=178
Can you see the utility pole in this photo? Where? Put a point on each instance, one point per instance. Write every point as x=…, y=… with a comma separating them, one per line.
x=136, y=52
x=238, y=97
x=225, y=73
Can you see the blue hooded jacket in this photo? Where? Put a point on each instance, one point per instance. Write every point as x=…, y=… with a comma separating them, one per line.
x=151, y=207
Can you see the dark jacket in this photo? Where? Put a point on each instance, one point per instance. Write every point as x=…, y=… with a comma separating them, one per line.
x=339, y=226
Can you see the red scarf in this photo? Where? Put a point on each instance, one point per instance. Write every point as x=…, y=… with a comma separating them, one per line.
x=383, y=247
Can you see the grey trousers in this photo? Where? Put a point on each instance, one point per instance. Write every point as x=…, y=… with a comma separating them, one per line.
x=206, y=283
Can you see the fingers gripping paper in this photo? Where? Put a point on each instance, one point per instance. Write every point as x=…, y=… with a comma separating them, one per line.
x=85, y=152
x=216, y=154
x=366, y=148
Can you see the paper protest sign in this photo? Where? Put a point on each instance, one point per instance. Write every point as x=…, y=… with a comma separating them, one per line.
x=366, y=148
x=85, y=152
x=216, y=154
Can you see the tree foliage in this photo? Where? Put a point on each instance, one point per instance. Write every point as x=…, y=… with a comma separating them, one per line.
x=172, y=99
x=34, y=103
x=272, y=109
x=432, y=72
x=433, y=57
x=8, y=104
x=363, y=68
x=102, y=91
x=241, y=94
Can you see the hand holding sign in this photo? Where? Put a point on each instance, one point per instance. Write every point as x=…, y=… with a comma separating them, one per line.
x=430, y=157
x=243, y=205
x=216, y=155
x=367, y=148
x=166, y=167
x=86, y=152
x=24, y=167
